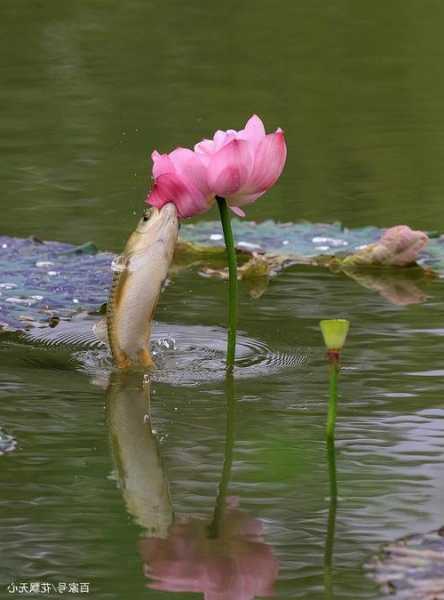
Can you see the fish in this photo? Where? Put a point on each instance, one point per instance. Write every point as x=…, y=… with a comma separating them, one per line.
x=139, y=274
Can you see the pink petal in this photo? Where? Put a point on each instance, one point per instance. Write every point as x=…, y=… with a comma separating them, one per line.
x=254, y=130
x=190, y=168
x=161, y=164
x=237, y=211
x=219, y=139
x=205, y=147
x=229, y=168
x=155, y=197
x=169, y=187
x=241, y=198
x=269, y=162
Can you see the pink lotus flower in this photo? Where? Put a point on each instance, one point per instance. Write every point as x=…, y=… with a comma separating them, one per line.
x=243, y=165
x=180, y=177
x=399, y=246
x=239, y=166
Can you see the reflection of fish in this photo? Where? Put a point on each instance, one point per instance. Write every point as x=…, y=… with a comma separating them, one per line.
x=139, y=274
x=181, y=553
x=136, y=454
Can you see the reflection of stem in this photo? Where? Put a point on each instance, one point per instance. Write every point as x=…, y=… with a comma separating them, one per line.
x=334, y=366
x=328, y=556
x=331, y=419
x=217, y=523
x=232, y=281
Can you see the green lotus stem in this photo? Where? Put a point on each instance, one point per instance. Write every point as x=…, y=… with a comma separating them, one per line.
x=215, y=528
x=333, y=396
x=331, y=526
x=232, y=281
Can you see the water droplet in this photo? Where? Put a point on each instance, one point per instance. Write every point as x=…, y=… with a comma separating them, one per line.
x=8, y=286
x=119, y=264
x=166, y=343
x=75, y=301
x=37, y=297
x=52, y=273
x=216, y=237
x=4, y=245
x=44, y=263
x=25, y=301
x=330, y=241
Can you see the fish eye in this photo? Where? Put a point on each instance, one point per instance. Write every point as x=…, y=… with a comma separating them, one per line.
x=146, y=214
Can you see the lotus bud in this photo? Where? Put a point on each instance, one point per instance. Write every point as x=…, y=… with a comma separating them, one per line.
x=334, y=332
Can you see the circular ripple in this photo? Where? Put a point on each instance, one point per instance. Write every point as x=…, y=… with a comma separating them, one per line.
x=184, y=354
x=189, y=355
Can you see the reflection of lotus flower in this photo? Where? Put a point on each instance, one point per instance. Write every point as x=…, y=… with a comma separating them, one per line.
x=395, y=288
x=238, y=565
x=243, y=165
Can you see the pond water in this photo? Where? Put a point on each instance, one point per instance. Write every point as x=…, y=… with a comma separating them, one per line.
x=88, y=90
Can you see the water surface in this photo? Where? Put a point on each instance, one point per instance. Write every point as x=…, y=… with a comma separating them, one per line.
x=88, y=90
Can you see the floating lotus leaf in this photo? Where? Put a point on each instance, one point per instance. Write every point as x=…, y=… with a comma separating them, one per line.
x=42, y=282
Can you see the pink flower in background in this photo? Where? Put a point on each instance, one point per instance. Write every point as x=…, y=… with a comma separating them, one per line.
x=180, y=177
x=403, y=244
x=239, y=166
x=243, y=165
x=399, y=246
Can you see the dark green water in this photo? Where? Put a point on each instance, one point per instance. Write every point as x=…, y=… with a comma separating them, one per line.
x=87, y=90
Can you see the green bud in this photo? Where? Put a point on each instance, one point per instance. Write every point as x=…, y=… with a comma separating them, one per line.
x=334, y=332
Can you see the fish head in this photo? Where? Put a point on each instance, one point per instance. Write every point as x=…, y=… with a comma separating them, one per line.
x=156, y=224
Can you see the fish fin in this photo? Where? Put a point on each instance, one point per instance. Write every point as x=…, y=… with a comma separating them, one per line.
x=101, y=331
x=122, y=361
x=145, y=359
x=67, y=333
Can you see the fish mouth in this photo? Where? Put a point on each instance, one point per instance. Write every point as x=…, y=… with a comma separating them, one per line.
x=166, y=213
x=159, y=220
x=168, y=217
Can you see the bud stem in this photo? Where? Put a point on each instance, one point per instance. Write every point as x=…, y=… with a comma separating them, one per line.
x=333, y=372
